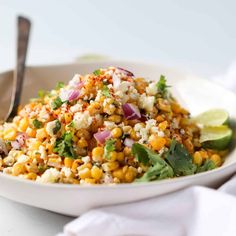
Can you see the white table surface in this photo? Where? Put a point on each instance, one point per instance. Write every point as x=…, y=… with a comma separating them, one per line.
x=196, y=35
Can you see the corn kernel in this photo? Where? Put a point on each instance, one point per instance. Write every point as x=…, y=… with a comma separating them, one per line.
x=18, y=169
x=31, y=167
x=82, y=143
x=31, y=176
x=9, y=134
x=68, y=118
x=110, y=166
x=163, y=125
x=85, y=173
x=133, y=135
x=157, y=142
x=159, y=118
x=188, y=144
x=118, y=174
x=130, y=175
x=216, y=159
x=127, y=151
x=120, y=156
x=68, y=162
x=115, y=118
x=89, y=181
x=49, y=148
x=97, y=154
x=116, y=132
x=41, y=134
x=96, y=172
x=31, y=132
x=34, y=145
x=23, y=124
x=113, y=156
x=197, y=158
x=86, y=165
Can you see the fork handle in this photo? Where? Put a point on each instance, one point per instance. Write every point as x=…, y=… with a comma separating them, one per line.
x=23, y=29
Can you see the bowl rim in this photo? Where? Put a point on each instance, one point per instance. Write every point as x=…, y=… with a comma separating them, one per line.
x=122, y=185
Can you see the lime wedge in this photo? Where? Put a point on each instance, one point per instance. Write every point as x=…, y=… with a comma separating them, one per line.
x=213, y=117
x=216, y=137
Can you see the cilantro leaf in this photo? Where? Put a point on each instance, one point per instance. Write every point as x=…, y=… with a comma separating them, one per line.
x=109, y=147
x=159, y=168
x=64, y=146
x=208, y=165
x=56, y=103
x=105, y=91
x=37, y=124
x=60, y=85
x=140, y=153
x=180, y=159
x=57, y=127
x=162, y=86
x=157, y=172
x=97, y=72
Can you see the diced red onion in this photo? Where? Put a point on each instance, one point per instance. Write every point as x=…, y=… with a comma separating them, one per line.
x=69, y=95
x=126, y=72
x=77, y=84
x=128, y=142
x=102, y=136
x=21, y=138
x=20, y=141
x=116, y=80
x=74, y=95
x=131, y=111
x=15, y=145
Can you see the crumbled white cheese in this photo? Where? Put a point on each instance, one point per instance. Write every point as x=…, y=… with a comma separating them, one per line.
x=146, y=102
x=77, y=107
x=109, y=124
x=42, y=151
x=86, y=159
x=99, y=95
x=151, y=89
x=125, y=86
x=50, y=127
x=82, y=120
x=22, y=158
x=67, y=171
x=49, y=176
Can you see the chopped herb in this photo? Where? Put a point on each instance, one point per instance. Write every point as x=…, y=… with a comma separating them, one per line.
x=162, y=86
x=57, y=127
x=42, y=93
x=208, y=165
x=109, y=147
x=72, y=124
x=97, y=72
x=37, y=124
x=159, y=168
x=56, y=103
x=64, y=146
x=180, y=159
x=105, y=91
x=60, y=85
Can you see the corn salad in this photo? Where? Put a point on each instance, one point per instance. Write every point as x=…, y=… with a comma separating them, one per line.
x=104, y=127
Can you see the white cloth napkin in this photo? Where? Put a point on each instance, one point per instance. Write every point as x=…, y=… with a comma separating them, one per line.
x=195, y=211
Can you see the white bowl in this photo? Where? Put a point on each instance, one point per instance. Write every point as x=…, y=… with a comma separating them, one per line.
x=196, y=94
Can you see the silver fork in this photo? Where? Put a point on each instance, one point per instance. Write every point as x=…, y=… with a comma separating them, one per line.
x=23, y=31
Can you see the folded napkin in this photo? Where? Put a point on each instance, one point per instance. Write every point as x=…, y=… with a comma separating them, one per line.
x=195, y=211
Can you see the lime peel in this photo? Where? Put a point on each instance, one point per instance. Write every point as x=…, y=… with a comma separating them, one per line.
x=213, y=117
x=216, y=137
